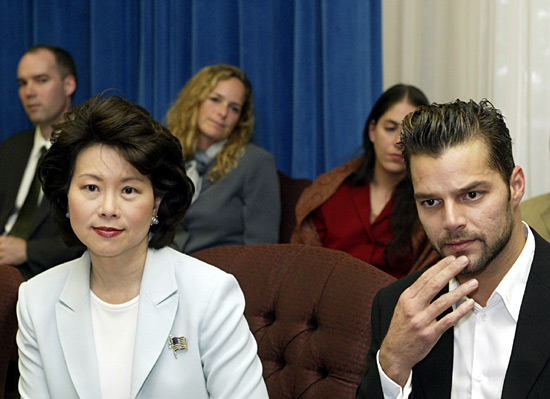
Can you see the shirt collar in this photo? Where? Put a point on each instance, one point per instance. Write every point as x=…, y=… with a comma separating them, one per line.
x=512, y=286
x=215, y=148
x=39, y=141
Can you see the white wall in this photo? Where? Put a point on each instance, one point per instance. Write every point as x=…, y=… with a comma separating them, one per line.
x=474, y=49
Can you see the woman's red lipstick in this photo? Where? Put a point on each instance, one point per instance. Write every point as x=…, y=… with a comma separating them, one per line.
x=107, y=232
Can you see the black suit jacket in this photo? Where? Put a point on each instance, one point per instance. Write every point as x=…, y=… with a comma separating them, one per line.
x=45, y=248
x=528, y=373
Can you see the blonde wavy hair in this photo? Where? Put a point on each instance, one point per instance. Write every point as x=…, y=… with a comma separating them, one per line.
x=181, y=118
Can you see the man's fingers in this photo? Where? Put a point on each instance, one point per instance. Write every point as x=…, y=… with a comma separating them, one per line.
x=438, y=278
x=434, y=285
x=452, y=318
x=415, y=288
x=447, y=300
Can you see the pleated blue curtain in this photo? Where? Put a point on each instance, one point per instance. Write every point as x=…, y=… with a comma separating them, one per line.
x=315, y=65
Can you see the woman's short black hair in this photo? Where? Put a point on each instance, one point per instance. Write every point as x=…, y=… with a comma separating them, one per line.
x=146, y=144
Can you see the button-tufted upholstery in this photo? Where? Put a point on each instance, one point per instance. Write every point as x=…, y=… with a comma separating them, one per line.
x=309, y=309
x=10, y=279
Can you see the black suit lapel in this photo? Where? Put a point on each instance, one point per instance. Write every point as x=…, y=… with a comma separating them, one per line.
x=18, y=162
x=531, y=349
x=432, y=377
x=41, y=214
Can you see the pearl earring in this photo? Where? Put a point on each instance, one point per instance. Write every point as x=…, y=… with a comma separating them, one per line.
x=154, y=220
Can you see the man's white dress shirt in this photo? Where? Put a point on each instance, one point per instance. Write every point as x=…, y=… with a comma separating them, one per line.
x=483, y=338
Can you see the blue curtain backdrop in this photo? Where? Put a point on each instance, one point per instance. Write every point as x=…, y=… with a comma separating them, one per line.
x=315, y=65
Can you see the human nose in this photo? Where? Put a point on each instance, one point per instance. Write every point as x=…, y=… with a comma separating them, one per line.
x=397, y=139
x=223, y=109
x=29, y=89
x=454, y=216
x=109, y=206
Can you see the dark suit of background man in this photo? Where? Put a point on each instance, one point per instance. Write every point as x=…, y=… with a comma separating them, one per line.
x=46, y=77
x=476, y=324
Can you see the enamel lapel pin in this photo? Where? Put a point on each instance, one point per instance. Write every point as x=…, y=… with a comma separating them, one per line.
x=177, y=344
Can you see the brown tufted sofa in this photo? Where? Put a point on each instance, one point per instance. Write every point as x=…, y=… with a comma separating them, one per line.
x=10, y=279
x=309, y=309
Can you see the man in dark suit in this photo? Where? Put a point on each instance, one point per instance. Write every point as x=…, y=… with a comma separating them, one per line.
x=474, y=325
x=46, y=76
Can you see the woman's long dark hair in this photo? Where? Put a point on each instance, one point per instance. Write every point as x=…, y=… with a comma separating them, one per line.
x=404, y=216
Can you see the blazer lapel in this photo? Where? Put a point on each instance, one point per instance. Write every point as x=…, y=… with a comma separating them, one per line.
x=206, y=183
x=41, y=213
x=74, y=324
x=531, y=350
x=15, y=175
x=434, y=374
x=158, y=305
x=360, y=202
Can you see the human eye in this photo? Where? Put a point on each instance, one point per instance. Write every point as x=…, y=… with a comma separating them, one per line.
x=473, y=195
x=91, y=187
x=235, y=109
x=42, y=79
x=390, y=127
x=129, y=190
x=21, y=83
x=214, y=99
x=430, y=203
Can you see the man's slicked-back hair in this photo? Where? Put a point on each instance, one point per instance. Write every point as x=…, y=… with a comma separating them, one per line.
x=432, y=129
x=143, y=142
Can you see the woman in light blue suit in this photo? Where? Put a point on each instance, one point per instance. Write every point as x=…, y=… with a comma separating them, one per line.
x=130, y=318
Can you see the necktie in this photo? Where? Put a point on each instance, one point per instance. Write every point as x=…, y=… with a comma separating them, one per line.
x=25, y=218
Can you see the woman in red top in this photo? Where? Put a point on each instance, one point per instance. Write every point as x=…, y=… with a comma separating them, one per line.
x=366, y=206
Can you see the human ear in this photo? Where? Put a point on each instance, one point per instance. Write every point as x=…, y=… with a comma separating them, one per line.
x=372, y=125
x=517, y=185
x=158, y=200
x=69, y=85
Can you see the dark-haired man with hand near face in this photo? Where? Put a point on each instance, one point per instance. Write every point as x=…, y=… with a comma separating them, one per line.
x=474, y=325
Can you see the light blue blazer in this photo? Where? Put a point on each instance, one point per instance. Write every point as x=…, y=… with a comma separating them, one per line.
x=179, y=296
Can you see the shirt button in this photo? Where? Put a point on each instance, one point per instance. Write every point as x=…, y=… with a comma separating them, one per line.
x=484, y=317
x=479, y=376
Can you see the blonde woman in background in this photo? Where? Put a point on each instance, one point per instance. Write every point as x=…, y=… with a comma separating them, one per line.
x=237, y=198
